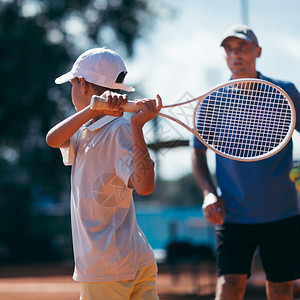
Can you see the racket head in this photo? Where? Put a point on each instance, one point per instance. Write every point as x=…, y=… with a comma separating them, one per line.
x=245, y=119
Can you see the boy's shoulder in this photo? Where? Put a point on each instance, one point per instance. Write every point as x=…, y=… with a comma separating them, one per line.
x=114, y=127
x=119, y=124
x=121, y=121
x=108, y=122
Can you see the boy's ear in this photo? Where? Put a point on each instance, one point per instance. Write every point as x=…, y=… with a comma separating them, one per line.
x=83, y=85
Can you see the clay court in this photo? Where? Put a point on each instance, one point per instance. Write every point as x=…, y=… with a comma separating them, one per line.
x=48, y=282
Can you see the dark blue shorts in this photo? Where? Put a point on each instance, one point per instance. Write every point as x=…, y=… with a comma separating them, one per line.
x=278, y=244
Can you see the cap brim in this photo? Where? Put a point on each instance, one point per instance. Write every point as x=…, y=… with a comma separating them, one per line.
x=239, y=36
x=118, y=86
x=64, y=78
x=126, y=88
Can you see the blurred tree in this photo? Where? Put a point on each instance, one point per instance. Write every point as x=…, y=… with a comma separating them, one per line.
x=39, y=39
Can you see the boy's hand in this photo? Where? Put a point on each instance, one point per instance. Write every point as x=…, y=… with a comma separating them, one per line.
x=114, y=102
x=149, y=109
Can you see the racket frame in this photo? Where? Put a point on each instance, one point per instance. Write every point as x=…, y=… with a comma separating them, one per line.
x=276, y=149
x=98, y=102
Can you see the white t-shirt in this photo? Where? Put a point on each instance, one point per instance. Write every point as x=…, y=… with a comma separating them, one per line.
x=108, y=244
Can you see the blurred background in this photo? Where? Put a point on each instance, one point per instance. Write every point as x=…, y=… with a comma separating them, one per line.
x=171, y=48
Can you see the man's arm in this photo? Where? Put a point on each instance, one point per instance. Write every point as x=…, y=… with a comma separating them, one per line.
x=201, y=172
x=142, y=179
x=213, y=207
x=295, y=95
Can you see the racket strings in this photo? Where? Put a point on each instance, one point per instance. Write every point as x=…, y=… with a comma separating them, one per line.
x=244, y=120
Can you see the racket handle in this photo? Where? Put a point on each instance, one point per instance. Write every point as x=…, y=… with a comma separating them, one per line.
x=98, y=103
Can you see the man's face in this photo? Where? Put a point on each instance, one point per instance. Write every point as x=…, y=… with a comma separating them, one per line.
x=241, y=57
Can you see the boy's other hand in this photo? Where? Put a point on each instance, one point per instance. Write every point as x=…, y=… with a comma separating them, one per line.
x=149, y=109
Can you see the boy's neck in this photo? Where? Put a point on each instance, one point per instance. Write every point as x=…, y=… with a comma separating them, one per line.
x=96, y=119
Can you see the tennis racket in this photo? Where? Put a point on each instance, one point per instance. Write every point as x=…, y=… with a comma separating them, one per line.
x=244, y=119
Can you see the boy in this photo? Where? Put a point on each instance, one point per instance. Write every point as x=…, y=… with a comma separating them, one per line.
x=109, y=158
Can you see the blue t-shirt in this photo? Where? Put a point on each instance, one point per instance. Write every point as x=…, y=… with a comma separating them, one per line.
x=259, y=191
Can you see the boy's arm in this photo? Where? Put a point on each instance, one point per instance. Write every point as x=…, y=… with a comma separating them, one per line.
x=142, y=179
x=59, y=136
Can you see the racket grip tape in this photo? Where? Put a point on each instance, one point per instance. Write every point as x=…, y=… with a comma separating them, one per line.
x=98, y=103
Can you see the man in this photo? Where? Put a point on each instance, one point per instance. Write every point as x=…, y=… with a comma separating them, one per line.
x=257, y=205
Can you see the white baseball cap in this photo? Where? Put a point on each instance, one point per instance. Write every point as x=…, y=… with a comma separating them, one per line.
x=100, y=66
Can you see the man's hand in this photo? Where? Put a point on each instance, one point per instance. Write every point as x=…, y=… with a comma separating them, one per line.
x=213, y=209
